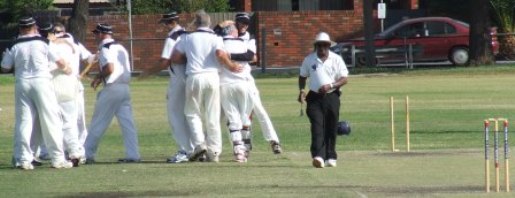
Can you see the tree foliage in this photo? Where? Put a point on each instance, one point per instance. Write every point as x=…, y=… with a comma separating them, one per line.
x=504, y=14
x=162, y=6
x=18, y=8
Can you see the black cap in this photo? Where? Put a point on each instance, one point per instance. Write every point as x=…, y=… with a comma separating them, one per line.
x=169, y=17
x=103, y=28
x=243, y=17
x=26, y=21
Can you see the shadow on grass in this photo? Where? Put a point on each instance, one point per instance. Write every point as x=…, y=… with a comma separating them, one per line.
x=361, y=190
x=444, y=132
x=131, y=194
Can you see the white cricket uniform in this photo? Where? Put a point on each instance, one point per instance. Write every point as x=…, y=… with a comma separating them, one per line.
x=81, y=53
x=176, y=95
x=34, y=97
x=113, y=100
x=234, y=87
x=264, y=120
x=67, y=88
x=203, y=87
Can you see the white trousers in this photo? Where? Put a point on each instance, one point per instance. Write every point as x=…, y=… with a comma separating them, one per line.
x=237, y=104
x=81, y=116
x=36, y=96
x=70, y=132
x=259, y=111
x=203, y=108
x=175, y=100
x=113, y=100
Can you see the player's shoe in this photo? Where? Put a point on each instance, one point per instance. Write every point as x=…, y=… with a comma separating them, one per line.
x=197, y=152
x=35, y=162
x=276, y=147
x=239, y=153
x=331, y=163
x=212, y=157
x=318, y=162
x=25, y=166
x=62, y=164
x=179, y=157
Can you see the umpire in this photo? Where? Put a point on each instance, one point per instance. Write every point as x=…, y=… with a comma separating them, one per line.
x=327, y=73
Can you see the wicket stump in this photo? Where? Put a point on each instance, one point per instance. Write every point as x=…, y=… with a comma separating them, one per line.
x=392, y=121
x=496, y=154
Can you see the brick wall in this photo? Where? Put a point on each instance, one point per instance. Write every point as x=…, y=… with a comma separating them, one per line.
x=289, y=35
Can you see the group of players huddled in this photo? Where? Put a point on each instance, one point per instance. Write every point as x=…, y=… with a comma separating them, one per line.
x=209, y=72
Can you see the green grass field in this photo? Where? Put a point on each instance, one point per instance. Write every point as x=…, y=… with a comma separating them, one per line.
x=448, y=107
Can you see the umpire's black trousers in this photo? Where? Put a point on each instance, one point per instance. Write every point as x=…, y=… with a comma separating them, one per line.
x=323, y=111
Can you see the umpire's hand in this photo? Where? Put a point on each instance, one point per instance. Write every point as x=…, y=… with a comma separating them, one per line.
x=302, y=97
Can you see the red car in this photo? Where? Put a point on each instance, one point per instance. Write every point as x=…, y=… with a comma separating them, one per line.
x=430, y=39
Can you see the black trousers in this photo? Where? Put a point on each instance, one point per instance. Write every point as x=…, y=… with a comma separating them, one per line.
x=323, y=111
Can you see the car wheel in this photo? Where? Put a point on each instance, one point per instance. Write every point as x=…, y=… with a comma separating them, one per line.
x=459, y=56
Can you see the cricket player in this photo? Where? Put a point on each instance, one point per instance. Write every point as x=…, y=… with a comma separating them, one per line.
x=66, y=90
x=81, y=54
x=30, y=55
x=235, y=93
x=268, y=130
x=175, y=96
x=203, y=51
x=114, y=99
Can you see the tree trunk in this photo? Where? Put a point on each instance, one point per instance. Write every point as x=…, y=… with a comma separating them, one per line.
x=480, y=38
x=78, y=22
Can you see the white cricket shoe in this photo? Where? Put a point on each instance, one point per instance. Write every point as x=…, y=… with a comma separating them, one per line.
x=331, y=163
x=179, y=157
x=212, y=157
x=318, y=162
x=25, y=166
x=63, y=164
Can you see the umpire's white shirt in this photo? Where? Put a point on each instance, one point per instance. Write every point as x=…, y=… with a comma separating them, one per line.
x=116, y=54
x=28, y=59
x=202, y=54
x=323, y=72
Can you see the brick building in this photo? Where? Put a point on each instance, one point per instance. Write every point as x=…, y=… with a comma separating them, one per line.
x=284, y=29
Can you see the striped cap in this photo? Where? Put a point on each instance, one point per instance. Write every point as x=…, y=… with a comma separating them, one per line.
x=169, y=17
x=46, y=27
x=103, y=28
x=243, y=17
x=26, y=21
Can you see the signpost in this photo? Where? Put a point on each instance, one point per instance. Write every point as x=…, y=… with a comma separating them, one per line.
x=381, y=13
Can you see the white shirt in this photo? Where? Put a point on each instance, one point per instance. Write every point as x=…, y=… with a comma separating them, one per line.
x=323, y=73
x=115, y=53
x=170, y=43
x=235, y=46
x=81, y=53
x=64, y=51
x=200, y=50
x=250, y=41
x=178, y=70
x=30, y=59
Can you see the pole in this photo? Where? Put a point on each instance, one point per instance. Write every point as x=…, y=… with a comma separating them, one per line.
x=407, y=124
x=392, y=123
x=130, y=33
x=263, y=50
